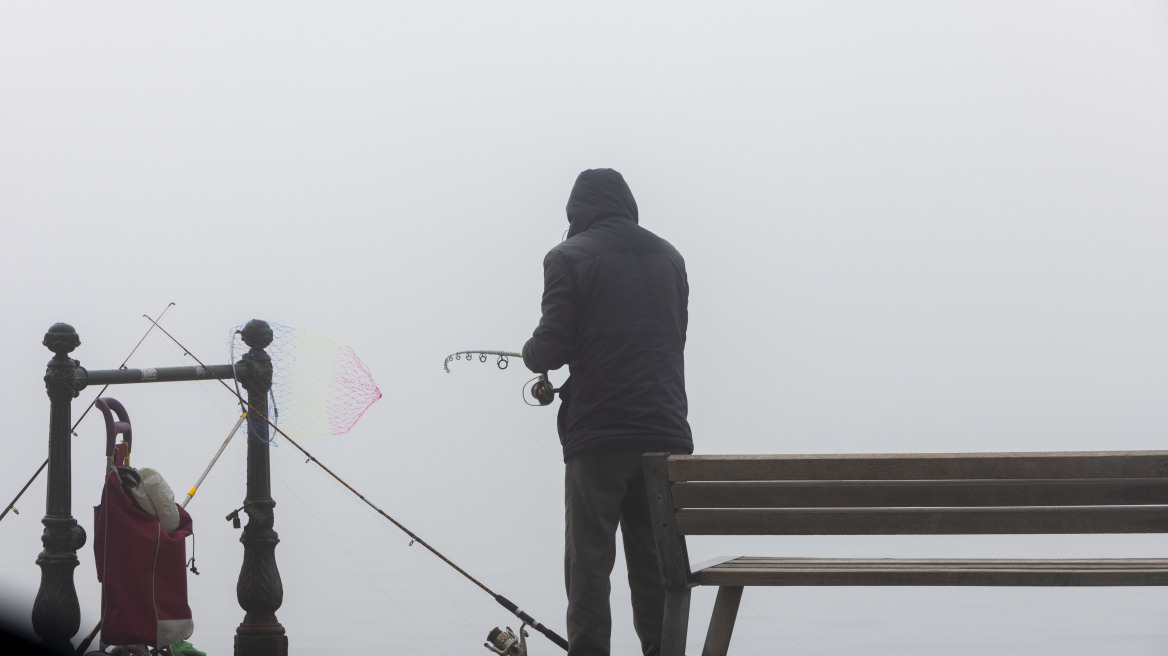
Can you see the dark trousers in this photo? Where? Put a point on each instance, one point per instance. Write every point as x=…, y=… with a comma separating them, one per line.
x=605, y=487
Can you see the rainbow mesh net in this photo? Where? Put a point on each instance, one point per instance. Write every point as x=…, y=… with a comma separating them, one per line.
x=319, y=386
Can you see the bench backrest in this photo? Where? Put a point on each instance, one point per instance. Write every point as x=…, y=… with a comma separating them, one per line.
x=906, y=494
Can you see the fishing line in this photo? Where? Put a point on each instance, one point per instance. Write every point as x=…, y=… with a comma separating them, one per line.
x=778, y=628
x=215, y=401
x=73, y=430
x=445, y=592
x=429, y=571
x=542, y=443
x=231, y=435
x=540, y=382
x=366, y=510
x=500, y=599
x=356, y=562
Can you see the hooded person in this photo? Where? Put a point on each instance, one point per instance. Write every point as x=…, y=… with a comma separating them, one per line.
x=615, y=311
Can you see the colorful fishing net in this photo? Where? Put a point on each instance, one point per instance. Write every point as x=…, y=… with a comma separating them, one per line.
x=319, y=386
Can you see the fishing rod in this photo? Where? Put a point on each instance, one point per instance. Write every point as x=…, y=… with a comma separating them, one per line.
x=215, y=459
x=514, y=609
x=502, y=362
x=541, y=388
x=73, y=430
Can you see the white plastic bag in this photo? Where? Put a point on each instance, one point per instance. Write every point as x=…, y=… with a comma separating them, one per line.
x=155, y=497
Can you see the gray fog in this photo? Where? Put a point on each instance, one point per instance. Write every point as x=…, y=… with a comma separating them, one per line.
x=909, y=227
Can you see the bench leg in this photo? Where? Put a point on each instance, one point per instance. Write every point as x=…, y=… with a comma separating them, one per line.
x=675, y=624
x=722, y=620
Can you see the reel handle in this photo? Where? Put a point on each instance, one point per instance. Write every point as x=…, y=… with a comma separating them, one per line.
x=542, y=390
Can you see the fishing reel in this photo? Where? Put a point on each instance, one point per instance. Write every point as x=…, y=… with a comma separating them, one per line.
x=542, y=390
x=506, y=643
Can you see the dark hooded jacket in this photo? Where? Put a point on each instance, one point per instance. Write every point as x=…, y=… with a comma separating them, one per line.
x=615, y=310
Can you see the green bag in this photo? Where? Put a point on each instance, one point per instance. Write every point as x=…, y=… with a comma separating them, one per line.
x=184, y=648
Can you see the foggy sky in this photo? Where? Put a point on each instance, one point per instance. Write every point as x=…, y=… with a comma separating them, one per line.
x=908, y=226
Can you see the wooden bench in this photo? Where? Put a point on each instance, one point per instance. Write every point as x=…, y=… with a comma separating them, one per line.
x=921, y=494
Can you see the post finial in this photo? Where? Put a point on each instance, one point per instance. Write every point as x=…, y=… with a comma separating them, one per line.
x=257, y=334
x=61, y=339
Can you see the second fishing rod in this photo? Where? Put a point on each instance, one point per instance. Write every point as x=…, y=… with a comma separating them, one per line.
x=256, y=415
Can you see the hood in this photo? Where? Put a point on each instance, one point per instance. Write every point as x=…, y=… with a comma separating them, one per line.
x=599, y=193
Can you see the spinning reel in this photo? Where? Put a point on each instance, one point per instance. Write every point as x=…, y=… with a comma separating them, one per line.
x=542, y=390
x=506, y=643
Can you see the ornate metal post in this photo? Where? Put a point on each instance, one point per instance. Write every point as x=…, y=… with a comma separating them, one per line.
x=259, y=589
x=56, y=615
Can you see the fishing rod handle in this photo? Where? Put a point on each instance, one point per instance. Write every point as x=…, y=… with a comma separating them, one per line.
x=531, y=621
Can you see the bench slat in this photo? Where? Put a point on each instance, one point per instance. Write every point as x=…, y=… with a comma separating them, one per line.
x=924, y=521
x=935, y=572
x=876, y=494
x=921, y=466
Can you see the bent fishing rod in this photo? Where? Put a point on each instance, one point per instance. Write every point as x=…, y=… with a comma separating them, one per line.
x=541, y=388
x=73, y=430
x=500, y=599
